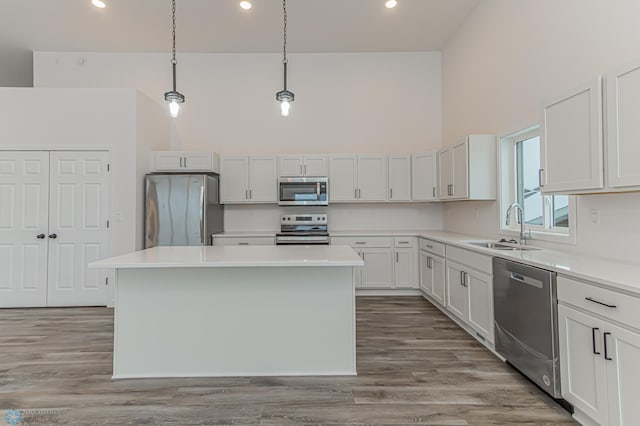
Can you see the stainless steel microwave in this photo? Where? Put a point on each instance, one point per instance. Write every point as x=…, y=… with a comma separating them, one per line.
x=303, y=191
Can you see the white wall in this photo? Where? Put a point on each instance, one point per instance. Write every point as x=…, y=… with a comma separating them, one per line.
x=345, y=103
x=508, y=58
x=378, y=216
x=98, y=119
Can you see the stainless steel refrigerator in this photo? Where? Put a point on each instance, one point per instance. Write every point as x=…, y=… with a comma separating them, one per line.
x=181, y=209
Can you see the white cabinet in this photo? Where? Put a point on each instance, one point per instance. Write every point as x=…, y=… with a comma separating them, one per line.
x=470, y=289
x=243, y=241
x=248, y=179
x=399, y=177
x=572, y=144
x=599, y=352
x=184, y=161
x=377, y=271
x=303, y=165
x=623, y=127
x=357, y=178
x=467, y=169
x=432, y=270
x=404, y=268
x=424, y=177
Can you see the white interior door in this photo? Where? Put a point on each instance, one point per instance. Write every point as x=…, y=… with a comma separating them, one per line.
x=77, y=228
x=24, y=205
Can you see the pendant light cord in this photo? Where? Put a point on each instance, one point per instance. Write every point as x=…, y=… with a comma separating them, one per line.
x=284, y=42
x=173, y=36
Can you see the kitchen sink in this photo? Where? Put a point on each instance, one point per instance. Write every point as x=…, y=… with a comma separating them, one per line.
x=500, y=245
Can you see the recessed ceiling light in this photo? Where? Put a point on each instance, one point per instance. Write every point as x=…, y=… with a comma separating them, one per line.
x=390, y=4
x=246, y=5
x=99, y=3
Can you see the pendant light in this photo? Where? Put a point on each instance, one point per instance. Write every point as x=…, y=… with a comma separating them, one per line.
x=174, y=98
x=284, y=96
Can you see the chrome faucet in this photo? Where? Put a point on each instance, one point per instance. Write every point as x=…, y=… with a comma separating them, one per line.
x=517, y=206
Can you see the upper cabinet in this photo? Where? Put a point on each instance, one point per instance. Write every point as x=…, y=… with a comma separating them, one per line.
x=399, y=177
x=623, y=127
x=424, y=173
x=248, y=179
x=572, y=142
x=184, y=161
x=357, y=178
x=303, y=165
x=467, y=169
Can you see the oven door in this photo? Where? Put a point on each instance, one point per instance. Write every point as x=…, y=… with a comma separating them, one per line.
x=303, y=192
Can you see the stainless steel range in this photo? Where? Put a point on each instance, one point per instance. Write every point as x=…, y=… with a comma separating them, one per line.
x=304, y=229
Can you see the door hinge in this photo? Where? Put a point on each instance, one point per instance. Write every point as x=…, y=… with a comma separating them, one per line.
x=107, y=223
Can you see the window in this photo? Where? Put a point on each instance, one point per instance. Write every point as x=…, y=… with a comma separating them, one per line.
x=544, y=215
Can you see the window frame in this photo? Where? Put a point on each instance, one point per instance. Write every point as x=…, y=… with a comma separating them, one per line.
x=507, y=195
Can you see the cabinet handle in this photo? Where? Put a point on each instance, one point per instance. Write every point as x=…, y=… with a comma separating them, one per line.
x=40, y=236
x=403, y=242
x=462, y=278
x=246, y=194
x=428, y=246
x=361, y=242
x=540, y=178
x=397, y=257
x=390, y=193
x=434, y=192
x=53, y=236
x=250, y=194
x=355, y=193
x=359, y=194
x=181, y=162
x=301, y=169
x=362, y=255
x=466, y=279
x=185, y=161
x=606, y=352
x=305, y=169
x=243, y=244
x=599, y=303
x=429, y=264
x=593, y=340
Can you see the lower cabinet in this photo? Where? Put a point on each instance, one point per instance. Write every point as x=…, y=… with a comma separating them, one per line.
x=432, y=276
x=470, y=290
x=599, y=352
x=378, y=267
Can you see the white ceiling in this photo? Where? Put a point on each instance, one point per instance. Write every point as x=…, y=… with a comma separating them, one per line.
x=221, y=26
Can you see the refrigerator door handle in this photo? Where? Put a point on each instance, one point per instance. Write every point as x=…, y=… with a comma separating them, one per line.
x=202, y=208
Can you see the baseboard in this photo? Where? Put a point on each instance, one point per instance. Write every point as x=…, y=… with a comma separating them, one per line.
x=388, y=292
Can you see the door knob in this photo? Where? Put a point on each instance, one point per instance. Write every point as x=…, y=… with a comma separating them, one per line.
x=54, y=236
x=40, y=236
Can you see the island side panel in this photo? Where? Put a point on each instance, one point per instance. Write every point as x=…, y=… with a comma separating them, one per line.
x=257, y=321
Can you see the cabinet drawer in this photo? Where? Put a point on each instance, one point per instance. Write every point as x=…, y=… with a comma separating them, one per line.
x=622, y=308
x=355, y=242
x=478, y=261
x=432, y=247
x=243, y=241
x=408, y=242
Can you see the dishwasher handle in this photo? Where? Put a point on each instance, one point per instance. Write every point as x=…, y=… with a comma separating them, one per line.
x=526, y=280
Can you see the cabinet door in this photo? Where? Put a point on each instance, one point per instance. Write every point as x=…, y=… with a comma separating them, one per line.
x=166, y=161
x=315, y=165
x=291, y=165
x=424, y=177
x=357, y=271
x=439, y=280
x=197, y=161
x=24, y=215
x=234, y=179
x=481, y=303
x=457, y=293
x=343, y=177
x=572, y=147
x=623, y=94
x=623, y=375
x=263, y=180
x=372, y=178
x=400, y=178
x=582, y=366
x=445, y=169
x=403, y=268
x=460, y=153
x=426, y=274
x=378, y=268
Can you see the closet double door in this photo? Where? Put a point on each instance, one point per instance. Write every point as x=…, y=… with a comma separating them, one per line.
x=53, y=207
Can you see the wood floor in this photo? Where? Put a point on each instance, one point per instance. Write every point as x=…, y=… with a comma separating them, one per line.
x=414, y=367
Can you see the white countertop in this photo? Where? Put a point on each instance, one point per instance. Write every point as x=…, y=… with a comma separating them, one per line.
x=234, y=256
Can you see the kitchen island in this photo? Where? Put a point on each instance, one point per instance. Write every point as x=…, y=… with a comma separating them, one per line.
x=234, y=311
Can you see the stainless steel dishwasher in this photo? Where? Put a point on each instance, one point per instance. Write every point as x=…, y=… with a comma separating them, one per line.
x=526, y=318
